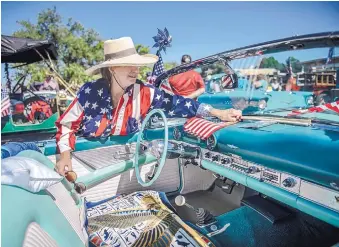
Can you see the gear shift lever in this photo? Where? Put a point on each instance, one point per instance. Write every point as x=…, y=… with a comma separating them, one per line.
x=181, y=201
x=204, y=216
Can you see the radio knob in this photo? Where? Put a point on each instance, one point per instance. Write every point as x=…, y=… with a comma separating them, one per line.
x=289, y=182
x=215, y=158
x=225, y=161
x=252, y=170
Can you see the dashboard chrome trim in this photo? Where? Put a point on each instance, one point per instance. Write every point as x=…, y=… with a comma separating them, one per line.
x=318, y=194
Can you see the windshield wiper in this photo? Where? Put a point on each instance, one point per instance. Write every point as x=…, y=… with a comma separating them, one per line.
x=284, y=109
x=294, y=119
x=325, y=121
x=279, y=119
x=263, y=114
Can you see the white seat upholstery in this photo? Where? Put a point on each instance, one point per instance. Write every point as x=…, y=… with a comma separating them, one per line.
x=35, y=236
x=74, y=214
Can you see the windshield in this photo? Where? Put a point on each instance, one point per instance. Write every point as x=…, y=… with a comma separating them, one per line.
x=279, y=83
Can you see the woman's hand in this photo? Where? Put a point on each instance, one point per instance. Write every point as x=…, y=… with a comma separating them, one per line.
x=229, y=115
x=64, y=164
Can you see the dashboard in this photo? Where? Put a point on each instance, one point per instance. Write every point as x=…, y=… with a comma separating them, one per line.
x=296, y=165
x=314, y=199
x=322, y=195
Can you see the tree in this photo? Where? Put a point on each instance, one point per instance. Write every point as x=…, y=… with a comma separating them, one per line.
x=296, y=65
x=215, y=68
x=272, y=63
x=78, y=47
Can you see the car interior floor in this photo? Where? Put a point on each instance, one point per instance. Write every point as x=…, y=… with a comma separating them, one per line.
x=215, y=201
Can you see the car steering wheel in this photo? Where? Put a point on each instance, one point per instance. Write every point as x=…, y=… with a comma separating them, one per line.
x=153, y=151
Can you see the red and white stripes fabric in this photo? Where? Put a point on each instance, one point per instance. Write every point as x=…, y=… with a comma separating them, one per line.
x=5, y=106
x=334, y=106
x=166, y=87
x=67, y=126
x=203, y=128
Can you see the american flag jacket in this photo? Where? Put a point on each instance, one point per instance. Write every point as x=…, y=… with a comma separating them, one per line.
x=91, y=113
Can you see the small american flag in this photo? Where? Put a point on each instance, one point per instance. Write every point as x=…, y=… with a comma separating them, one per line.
x=5, y=103
x=203, y=128
x=334, y=106
x=158, y=70
x=158, y=67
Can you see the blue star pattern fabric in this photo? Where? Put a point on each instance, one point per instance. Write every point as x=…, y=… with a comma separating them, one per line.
x=91, y=114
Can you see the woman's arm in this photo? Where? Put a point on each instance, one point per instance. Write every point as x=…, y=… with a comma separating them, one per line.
x=67, y=126
x=178, y=106
x=196, y=93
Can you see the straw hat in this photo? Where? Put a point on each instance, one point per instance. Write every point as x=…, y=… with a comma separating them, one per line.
x=121, y=52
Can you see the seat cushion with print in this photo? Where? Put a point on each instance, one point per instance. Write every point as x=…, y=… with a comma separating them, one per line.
x=139, y=219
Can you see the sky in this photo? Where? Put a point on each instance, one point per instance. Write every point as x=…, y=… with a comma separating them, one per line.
x=198, y=28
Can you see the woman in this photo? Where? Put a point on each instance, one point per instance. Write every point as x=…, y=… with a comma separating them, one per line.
x=260, y=84
x=117, y=103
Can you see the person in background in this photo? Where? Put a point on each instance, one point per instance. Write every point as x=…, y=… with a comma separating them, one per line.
x=208, y=81
x=275, y=85
x=215, y=86
x=260, y=84
x=188, y=84
x=49, y=84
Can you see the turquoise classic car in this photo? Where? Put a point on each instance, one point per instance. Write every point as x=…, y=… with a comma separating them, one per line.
x=269, y=180
x=264, y=100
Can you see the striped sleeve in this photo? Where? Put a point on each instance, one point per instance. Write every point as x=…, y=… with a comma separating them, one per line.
x=67, y=126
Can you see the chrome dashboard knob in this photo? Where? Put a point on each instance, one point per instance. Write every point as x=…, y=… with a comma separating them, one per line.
x=208, y=155
x=289, y=182
x=225, y=161
x=215, y=158
x=252, y=170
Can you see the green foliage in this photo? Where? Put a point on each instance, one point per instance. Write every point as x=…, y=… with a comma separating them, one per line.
x=296, y=65
x=272, y=63
x=171, y=65
x=78, y=47
x=216, y=68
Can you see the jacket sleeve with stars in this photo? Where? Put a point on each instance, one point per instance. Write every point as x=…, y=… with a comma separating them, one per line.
x=86, y=110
